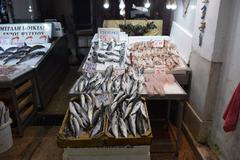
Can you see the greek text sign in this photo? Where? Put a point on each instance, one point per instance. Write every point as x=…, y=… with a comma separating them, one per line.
x=26, y=32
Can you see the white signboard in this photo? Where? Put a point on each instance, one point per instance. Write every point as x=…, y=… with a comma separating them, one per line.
x=109, y=34
x=27, y=32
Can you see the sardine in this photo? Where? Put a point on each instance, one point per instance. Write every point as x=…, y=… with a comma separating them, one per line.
x=134, y=87
x=120, y=94
x=90, y=108
x=77, y=127
x=123, y=127
x=109, y=86
x=97, y=128
x=74, y=113
x=114, y=125
x=83, y=102
x=72, y=128
x=128, y=109
x=143, y=110
x=136, y=107
x=139, y=124
x=132, y=123
x=81, y=112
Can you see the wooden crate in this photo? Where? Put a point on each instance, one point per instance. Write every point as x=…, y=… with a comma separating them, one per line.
x=103, y=139
x=84, y=140
x=145, y=139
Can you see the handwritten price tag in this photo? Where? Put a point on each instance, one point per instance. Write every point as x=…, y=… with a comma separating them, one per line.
x=103, y=99
x=158, y=44
x=90, y=67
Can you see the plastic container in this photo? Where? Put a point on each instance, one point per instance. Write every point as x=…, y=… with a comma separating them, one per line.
x=6, y=139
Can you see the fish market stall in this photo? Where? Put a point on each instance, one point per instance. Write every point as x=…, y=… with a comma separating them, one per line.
x=119, y=94
x=31, y=69
x=48, y=60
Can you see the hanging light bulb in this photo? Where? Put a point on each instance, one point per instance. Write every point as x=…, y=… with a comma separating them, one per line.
x=147, y=4
x=106, y=4
x=121, y=4
x=174, y=5
x=122, y=12
x=30, y=9
x=168, y=5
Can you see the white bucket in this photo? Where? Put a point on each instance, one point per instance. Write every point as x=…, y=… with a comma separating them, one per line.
x=6, y=139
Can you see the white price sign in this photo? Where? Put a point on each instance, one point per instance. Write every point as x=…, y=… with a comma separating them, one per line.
x=27, y=32
x=103, y=99
x=109, y=34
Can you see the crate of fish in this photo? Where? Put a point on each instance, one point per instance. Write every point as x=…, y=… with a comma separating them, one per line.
x=128, y=121
x=84, y=123
x=129, y=80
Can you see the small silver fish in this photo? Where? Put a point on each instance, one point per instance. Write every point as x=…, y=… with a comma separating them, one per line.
x=128, y=109
x=114, y=125
x=143, y=110
x=123, y=127
x=132, y=123
x=75, y=114
x=97, y=128
x=77, y=127
x=120, y=94
x=83, y=102
x=136, y=107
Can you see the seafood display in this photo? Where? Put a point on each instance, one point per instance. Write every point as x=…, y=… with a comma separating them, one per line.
x=21, y=54
x=85, y=116
x=127, y=115
x=149, y=54
x=4, y=114
x=108, y=53
x=130, y=80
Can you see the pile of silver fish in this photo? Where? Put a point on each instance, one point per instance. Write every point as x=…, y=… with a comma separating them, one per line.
x=85, y=116
x=21, y=54
x=127, y=115
x=107, y=52
x=131, y=80
x=4, y=114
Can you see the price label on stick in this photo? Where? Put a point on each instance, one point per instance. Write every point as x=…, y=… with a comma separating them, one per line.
x=103, y=99
x=90, y=67
x=158, y=44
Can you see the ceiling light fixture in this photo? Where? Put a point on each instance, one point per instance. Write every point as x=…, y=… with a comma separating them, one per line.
x=106, y=4
x=174, y=5
x=147, y=4
x=168, y=5
x=30, y=9
x=171, y=4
